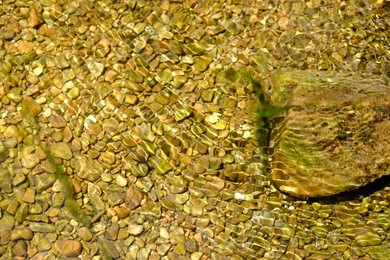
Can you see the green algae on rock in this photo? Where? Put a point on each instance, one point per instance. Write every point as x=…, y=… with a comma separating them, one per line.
x=334, y=135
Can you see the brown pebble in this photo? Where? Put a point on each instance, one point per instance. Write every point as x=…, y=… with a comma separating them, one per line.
x=70, y=248
x=133, y=198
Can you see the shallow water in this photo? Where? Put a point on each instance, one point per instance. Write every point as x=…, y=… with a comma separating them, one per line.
x=130, y=107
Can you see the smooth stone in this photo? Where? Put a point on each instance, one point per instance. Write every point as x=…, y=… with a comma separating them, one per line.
x=86, y=169
x=42, y=227
x=29, y=196
x=378, y=252
x=139, y=170
x=70, y=248
x=20, y=248
x=201, y=164
x=177, y=184
x=44, y=181
x=135, y=229
x=73, y=93
x=160, y=165
x=95, y=68
x=151, y=208
x=21, y=233
x=85, y=234
x=133, y=198
x=365, y=236
x=191, y=246
x=201, y=63
x=44, y=244
x=30, y=161
x=61, y=150
x=57, y=121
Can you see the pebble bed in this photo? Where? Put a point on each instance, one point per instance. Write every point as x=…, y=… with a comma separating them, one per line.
x=120, y=137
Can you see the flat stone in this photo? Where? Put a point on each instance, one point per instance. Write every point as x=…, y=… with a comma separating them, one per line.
x=201, y=164
x=21, y=233
x=133, y=198
x=30, y=161
x=87, y=169
x=44, y=181
x=61, y=150
x=135, y=229
x=160, y=165
x=378, y=252
x=151, y=208
x=42, y=227
x=70, y=248
x=57, y=121
x=95, y=68
x=365, y=236
x=29, y=196
x=20, y=248
x=202, y=63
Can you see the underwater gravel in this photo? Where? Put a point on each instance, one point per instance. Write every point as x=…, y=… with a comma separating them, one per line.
x=120, y=137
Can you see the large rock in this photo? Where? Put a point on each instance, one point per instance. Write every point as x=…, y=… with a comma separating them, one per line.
x=326, y=134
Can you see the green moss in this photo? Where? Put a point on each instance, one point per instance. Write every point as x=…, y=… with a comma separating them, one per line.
x=29, y=112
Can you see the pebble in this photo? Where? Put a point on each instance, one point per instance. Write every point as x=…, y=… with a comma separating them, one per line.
x=61, y=150
x=30, y=161
x=70, y=247
x=29, y=196
x=95, y=68
x=21, y=233
x=135, y=229
x=42, y=227
x=133, y=198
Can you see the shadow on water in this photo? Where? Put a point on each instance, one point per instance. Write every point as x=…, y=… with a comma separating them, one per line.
x=356, y=194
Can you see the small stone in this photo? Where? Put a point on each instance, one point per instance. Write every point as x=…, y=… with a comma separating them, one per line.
x=207, y=95
x=61, y=150
x=110, y=76
x=30, y=161
x=21, y=233
x=191, y=246
x=121, y=181
x=61, y=62
x=139, y=170
x=201, y=164
x=34, y=18
x=20, y=248
x=95, y=68
x=44, y=181
x=73, y=93
x=87, y=169
x=108, y=157
x=151, y=208
x=160, y=165
x=29, y=196
x=365, y=236
x=202, y=63
x=133, y=198
x=70, y=248
x=44, y=244
x=135, y=229
x=42, y=227
x=57, y=121
x=283, y=22
x=30, y=107
x=177, y=184
x=143, y=253
x=378, y=252
x=24, y=47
